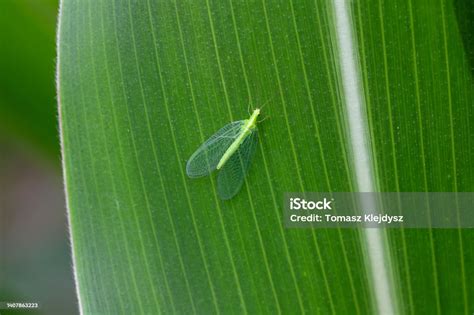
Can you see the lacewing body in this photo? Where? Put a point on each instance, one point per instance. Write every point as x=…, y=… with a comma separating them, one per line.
x=230, y=151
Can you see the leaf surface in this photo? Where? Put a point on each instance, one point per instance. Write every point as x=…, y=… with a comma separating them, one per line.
x=143, y=83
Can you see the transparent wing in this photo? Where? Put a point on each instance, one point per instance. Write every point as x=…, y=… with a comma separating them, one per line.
x=232, y=174
x=208, y=155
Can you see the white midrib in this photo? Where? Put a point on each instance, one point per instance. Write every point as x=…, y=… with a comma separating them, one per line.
x=378, y=258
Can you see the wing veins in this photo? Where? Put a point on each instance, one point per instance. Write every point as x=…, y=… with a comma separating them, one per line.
x=205, y=159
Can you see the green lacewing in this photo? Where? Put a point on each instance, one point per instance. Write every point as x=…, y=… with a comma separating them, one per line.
x=230, y=151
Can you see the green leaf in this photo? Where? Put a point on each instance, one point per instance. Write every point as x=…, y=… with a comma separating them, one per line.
x=143, y=83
